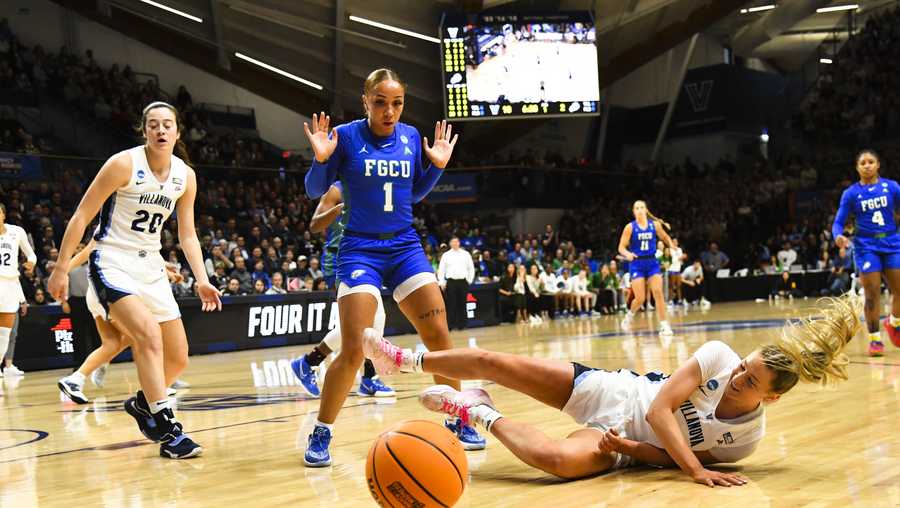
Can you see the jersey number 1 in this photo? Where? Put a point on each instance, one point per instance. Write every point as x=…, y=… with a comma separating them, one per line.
x=143, y=217
x=877, y=218
x=389, y=196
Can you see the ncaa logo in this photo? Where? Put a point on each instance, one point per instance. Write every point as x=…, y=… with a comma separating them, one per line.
x=357, y=274
x=140, y=173
x=712, y=384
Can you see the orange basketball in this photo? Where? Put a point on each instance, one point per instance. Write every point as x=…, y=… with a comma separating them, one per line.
x=417, y=463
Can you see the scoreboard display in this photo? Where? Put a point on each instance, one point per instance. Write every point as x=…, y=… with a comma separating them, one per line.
x=519, y=65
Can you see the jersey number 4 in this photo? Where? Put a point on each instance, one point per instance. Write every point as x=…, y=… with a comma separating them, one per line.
x=5, y=259
x=143, y=216
x=877, y=218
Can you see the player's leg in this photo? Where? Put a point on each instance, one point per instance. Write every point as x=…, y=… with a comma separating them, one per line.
x=869, y=264
x=639, y=293
x=576, y=456
x=175, y=349
x=370, y=384
x=357, y=306
x=656, y=288
x=891, y=266
x=112, y=342
x=7, y=319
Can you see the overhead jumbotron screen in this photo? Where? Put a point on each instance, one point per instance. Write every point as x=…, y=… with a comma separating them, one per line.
x=519, y=65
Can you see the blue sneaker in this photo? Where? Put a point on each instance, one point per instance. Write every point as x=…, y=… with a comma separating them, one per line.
x=373, y=387
x=306, y=376
x=468, y=436
x=317, y=448
x=182, y=447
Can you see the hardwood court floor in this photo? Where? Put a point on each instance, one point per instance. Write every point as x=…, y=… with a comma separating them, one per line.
x=824, y=447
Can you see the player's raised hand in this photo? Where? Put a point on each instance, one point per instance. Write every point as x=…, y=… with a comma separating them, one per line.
x=440, y=153
x=323, y=145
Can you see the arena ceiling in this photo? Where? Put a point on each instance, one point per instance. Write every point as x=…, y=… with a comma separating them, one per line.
x=320, y=41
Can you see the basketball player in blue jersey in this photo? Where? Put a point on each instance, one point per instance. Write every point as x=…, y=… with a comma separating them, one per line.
x=329, y=217
x=138, y=190
x=876, y=245
x=378, y=161
x=638, y=246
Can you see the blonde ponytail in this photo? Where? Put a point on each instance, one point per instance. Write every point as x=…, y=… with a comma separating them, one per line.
x=657, y=219
x=811, y=349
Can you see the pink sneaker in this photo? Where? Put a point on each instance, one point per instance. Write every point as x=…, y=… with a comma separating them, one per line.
x=447, y=400
x=892, y=332
x=387, y=358
x=876, y=348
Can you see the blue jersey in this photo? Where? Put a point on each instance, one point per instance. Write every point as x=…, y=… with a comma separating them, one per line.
x=378, y=176
x=643, y=241
x=335, y=230
x=873, y=207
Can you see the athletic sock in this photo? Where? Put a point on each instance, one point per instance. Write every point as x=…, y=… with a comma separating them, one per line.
x=329, y=426
x=314, y=357
x=77, y=377
x=368, y=369
x=156, y=407
x=875, y=337
x=418, y=362
x=484, y=415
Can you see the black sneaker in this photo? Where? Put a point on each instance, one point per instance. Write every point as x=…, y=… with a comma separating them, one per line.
x=138, y=408
x=182, y=447
x=175, y=443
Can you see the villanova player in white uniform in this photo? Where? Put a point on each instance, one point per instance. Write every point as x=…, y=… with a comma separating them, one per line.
x=12, y=239
x=711, y=410
x=139, y=189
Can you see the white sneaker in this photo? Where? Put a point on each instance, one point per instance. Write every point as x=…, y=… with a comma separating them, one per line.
x=180, y=385
x=99, y=376
x=72, y=390
x=12, y=370
x=626, y=323
x=665, y=330
x=387, y=357
x=170, y=392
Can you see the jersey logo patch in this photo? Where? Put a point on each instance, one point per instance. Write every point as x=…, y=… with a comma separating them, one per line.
x=140, y=173
x=727, y=438
x=363, y=150
x=866, y=265
x=404, y=139
x=712, y=384
x=407, y=151
x=357, y=274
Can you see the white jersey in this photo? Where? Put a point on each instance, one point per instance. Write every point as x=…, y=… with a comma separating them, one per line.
x=621, y=399
x=14, y=239
x=675, y=265
x=132, y=218
x=697, y=416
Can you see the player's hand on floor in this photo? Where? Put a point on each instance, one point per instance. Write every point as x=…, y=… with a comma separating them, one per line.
x=713, y=478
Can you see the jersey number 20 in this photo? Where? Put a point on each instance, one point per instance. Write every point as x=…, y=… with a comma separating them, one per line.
x=143, y=217
x=877, y=218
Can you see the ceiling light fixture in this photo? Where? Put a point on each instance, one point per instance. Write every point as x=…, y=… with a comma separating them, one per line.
x=173, y=11
x=276, y=70
x=851, y=7
x=390, y=28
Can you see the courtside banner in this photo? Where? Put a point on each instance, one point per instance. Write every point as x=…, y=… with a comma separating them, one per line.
x=246, y=322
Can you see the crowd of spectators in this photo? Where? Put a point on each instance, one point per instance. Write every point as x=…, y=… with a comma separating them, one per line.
x=114, y=96
x=856, y=99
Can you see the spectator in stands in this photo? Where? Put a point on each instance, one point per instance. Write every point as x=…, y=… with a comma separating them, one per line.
x=608, y=285
x=839, y=278
x=260, y=274
x=566, y=285
x=692, y=280
x=786, y=287
x=302, y=267
x=39, y=297
x=259, y=287
x=218, y=278
x=277, y=287
x=520, y=289
x=786, y=257
x=234, y=288
x=549, y=292
x=314, y=270
x=533, y=294
x=242, y=275
x=455, y=272
x=507, y=292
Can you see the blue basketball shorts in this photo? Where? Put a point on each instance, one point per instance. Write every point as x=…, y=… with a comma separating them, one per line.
x=381, y=263
x=876, y=254
x=643, y=268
